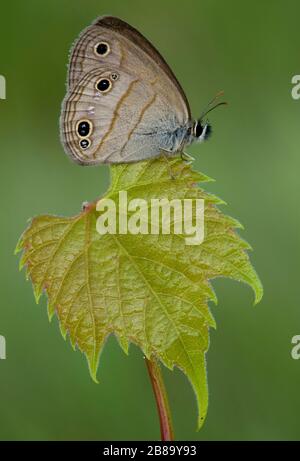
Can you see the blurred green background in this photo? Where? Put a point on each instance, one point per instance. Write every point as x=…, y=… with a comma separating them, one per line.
x=251, y=51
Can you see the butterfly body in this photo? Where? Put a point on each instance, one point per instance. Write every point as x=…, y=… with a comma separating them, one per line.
x=123, y=102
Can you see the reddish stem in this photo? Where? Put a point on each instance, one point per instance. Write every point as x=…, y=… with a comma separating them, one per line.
x=160, y=393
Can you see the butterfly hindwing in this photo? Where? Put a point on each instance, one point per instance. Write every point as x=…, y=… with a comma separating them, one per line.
x=121, y=122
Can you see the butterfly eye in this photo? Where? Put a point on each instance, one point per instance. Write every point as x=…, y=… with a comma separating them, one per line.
x=103, y=85
x=84, y=128
x=102, y=49
x=85, y=143
x=197, y=129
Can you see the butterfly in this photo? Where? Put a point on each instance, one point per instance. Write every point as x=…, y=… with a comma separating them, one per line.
x=123, y=102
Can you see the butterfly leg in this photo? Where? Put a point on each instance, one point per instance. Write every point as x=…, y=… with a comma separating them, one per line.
x=187, y=158
x=165, y=157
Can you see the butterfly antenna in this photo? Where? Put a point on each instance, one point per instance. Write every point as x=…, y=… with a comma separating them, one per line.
x=208, y=107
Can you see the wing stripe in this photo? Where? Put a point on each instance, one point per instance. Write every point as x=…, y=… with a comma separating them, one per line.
x=144, y=109
x=75, y=97
x=78, y=48
x=115, y=115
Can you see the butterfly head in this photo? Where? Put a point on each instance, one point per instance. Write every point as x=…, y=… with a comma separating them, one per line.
x=201, y=130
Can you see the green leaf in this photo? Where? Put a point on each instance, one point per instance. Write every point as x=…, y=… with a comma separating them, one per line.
x=150, y=290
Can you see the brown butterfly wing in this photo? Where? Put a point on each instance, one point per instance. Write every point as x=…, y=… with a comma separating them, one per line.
x=145, y=106
x=130, y=51
x=124, y=123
